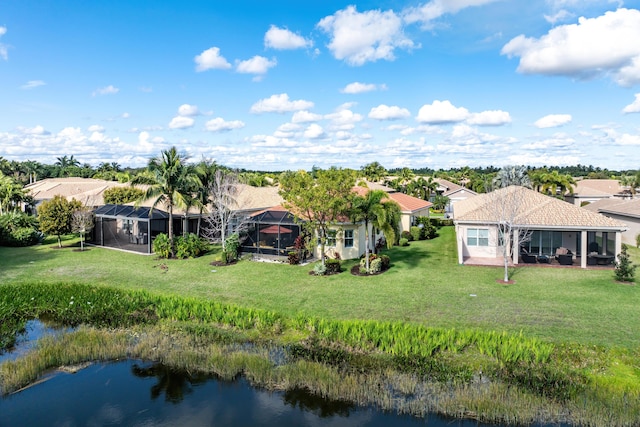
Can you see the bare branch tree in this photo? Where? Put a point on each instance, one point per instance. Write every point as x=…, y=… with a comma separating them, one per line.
x=224, y=217
x=507, y=207
x=82, y=222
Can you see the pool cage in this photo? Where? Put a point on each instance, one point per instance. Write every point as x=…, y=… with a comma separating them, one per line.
x=271, y=233
x=128, y=228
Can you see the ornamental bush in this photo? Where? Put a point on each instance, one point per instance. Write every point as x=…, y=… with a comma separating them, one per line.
x=625, y=270
x=189, y=246
x=162, y=245
x=416, y=232
x=332, y=265
x=406, y=235
x=404, y=242
x=19, y=229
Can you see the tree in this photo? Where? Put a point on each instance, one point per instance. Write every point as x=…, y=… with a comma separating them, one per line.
x=170, y=183
x=625, y=270
x=122, y=195
x=319, y=202
x=55, y=216
x=440, y=202
x=82, y=222
x=506, y=205
x=372, y=209
x=223, y=219
x=66, y=164
x=373, y=172
x=557, y=184
x=11, y=194
x=512, y=175
x=630, y=182
x=205, y=175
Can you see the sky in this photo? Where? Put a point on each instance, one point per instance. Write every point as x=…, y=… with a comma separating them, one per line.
x=287, y=85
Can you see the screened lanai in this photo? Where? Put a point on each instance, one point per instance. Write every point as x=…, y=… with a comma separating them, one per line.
x=272, y=232
x=128, y=228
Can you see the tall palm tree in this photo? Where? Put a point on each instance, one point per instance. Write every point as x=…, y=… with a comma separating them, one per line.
x=205, y=173
x=373, y=210
x=557, y=184
x=11, y=194
x=171, y=183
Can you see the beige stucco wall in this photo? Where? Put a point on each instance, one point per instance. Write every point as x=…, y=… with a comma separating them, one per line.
x=406, y=218
x=633, y=228
x=355, y=251
x=491, y=251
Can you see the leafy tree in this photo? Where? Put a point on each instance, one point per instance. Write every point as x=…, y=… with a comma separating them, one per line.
x=122, y=195
x=11, y=194
x=170, y=183
x=373, y=172
x=55, y=216
x=319, y=202
x=372, y=209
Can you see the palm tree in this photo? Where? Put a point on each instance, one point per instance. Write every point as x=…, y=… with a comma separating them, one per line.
x=373, y=172
x=205, y=173
x=512, y=175
x=373, y=210
x=557, y=184
x=171, y=183
x=11, y=194
x=65, y=163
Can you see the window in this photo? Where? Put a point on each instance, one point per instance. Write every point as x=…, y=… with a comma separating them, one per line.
x=478, y=237
x=348, y=238
x=331, y=237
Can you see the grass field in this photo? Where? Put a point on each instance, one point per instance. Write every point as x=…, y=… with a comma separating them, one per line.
x=425, y=285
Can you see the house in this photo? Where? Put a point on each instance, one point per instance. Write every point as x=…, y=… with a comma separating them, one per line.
x=625, y=210
x=590, y=190
x=88, y=191
x=454, y=192
x=542, y=224
x=272, y=232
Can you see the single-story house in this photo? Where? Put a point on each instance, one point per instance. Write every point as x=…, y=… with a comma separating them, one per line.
x=625, y=210
x=587, y=191
x=542, y=225
x=272, y=232
x=453, y=191
x=88, y=191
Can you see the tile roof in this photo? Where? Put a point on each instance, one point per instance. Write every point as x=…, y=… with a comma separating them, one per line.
x=406, y=202
x=597, y=187
x=626, y=207
x=86, y=190
x=531, y=209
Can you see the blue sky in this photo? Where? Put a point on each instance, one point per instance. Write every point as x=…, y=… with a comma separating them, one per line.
x=288, y=85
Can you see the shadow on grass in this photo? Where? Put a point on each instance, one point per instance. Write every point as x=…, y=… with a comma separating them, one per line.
x=408, y=256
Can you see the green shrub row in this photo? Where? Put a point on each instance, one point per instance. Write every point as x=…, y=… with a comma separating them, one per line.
x=19, y=229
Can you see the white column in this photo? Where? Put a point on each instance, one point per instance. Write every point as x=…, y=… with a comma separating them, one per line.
x=583, y=249
x=460, y=240
x=515, y=247
x=618, y=244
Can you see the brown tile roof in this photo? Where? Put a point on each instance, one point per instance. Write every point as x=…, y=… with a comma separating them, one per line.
x=406, y=202
x=533, y=210
x=597, y=187
x=86, y=190
x=626, y=207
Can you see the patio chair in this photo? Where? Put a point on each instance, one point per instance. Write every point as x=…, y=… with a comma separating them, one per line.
x=564, y=256
x=528, y=258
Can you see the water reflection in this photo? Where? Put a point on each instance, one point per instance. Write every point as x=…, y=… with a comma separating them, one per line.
x=323, y=408
x=172, y=383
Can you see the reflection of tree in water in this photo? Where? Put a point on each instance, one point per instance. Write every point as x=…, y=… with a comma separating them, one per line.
x=173, y=383
x=320, y=406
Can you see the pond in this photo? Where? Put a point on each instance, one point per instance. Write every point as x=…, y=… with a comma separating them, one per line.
x=138, y=393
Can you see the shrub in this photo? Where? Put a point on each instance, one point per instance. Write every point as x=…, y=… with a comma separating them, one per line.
x=189, y=246
x=375, y=266
x=625, y=270
x=19, y=229
x=332, y=266
x=162, y=245
x=406, y=235
x=122, y=195
x=294, y=258
x=319, y=269
x=386, y=262
x=416, y=233
x=403, y=242
x=638, y=241
x=232, y=245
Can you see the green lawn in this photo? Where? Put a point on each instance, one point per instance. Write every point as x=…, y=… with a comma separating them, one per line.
x=425, y=285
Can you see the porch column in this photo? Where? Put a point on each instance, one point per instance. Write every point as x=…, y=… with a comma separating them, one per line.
x=460, y=239
x=583, y=249
x=618, y=244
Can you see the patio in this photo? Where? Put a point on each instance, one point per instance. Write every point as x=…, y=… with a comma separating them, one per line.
x=553, y=263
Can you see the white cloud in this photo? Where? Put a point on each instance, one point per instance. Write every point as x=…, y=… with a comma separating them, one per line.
x=221, y=125
x=31, y=84
x=187, y=110
x=385, y=112
x=605, y=45
x=489, y=118
x=314, y=131
x=543, y=159
x=256, y=65
x=561, y=15
x=37, y=130
x=107, y=90
x=436, y=8
x=125, y=115
x=95, y=128
x=4, y=54
x=553, y=120
x=634, y=107
x=181, y=122
x=280, y=104
x=441, y=112
x=282, y=38
x=357, y=87
x=211, y=59
x=364, y=37
x=344, y=120
x=305, y=116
